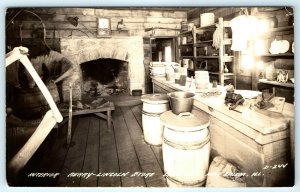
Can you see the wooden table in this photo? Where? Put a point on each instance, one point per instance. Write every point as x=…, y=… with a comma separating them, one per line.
x=256, y=141
x=98, y=111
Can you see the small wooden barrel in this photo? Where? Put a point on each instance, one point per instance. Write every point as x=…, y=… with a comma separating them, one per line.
x=186, y=148
x=153, y=106
x=155, y=103
x=31, y=103
x=152, y=128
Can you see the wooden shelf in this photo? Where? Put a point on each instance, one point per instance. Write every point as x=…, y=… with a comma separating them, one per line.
x=187, y=44
x=279, y=29
x=185, y=33
x=200, y=43
x=290, y=85
x=207, y=57
x=187, y=57
x=214, y=73
x=277, y=55
x=225, y=74
x=203, y=42
x=207, y=27
x=228, y=74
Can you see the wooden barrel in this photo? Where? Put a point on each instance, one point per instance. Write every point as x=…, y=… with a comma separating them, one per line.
x=153, y=106
x=31, y=103
x=155, y=103
x=152, y=128
x=186, y=148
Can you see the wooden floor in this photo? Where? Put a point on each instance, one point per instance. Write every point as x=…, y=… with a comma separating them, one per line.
x=99, y=157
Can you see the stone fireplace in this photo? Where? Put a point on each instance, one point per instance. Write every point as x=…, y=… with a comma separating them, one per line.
x=103, y=77
x=127, y=51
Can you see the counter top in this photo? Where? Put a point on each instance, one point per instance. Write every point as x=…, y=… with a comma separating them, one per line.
x=262, y=121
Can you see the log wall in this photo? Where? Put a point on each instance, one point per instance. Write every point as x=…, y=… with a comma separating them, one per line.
x=24, y=26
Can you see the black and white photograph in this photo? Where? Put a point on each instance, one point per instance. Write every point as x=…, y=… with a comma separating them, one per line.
x=163, y=97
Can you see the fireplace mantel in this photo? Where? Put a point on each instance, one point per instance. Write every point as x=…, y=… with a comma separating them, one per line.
x=128, y=49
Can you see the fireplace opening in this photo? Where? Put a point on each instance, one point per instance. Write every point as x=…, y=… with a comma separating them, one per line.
x=103, y=77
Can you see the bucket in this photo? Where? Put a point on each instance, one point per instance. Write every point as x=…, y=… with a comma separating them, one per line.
x=181, y=101
x=186, y=148
x=153, y=106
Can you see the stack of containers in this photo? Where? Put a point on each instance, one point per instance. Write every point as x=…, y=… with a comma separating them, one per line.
x=186, y=142
x=157, y=69
x=201, y=80
x=180, y=75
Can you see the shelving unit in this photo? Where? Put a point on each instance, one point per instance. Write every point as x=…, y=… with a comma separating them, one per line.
x=278, y=55
x=290, y=85
x=216, y=59
x=185, y=50
x=281, y=62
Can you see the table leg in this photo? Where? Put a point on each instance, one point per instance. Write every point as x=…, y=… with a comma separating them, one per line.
x=69, y=131
x=109, y=119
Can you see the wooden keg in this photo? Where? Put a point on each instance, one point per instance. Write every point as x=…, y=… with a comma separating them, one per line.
x=186, y=148
x=153, y=106
x=31, y=103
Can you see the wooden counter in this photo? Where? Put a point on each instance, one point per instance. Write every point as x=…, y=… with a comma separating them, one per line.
x=258, y=141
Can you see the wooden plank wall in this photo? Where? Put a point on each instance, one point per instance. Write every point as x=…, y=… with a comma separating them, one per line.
x=57, y=26
x=135, y=20
x=193, y=15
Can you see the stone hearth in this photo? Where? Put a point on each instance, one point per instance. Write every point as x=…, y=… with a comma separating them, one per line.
x=129, y=49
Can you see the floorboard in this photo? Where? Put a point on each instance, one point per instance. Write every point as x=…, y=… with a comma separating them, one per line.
x=128, y=160
x=75, y=155
x=147, y=159
x=137, y=111
x=118, y=157
x=108, y=157
x=157, y=150
x=90, y=164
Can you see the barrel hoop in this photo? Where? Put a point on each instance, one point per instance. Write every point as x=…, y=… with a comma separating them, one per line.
x=197, y=183
x=157, y=103
x=151, y=114
x=187, y=146
x=157, y=145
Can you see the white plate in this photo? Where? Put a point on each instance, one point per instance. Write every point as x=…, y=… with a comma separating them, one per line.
x=284, y=46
